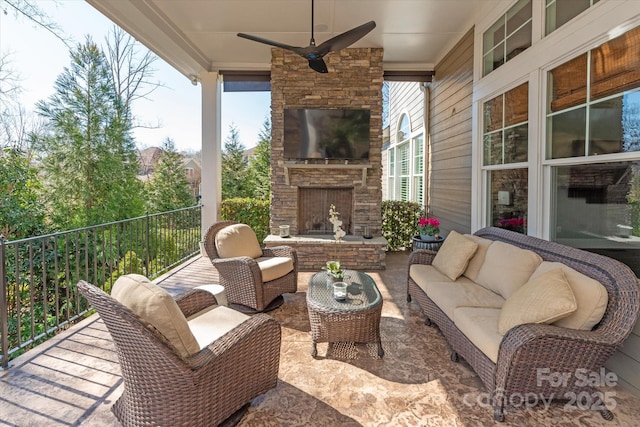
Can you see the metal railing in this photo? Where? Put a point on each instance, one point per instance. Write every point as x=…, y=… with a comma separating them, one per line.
x=38, y=275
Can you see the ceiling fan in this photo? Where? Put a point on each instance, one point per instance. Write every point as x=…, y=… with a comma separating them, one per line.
x=315, y=53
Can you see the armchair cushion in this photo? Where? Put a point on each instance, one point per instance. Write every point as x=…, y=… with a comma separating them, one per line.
x=213, y=322
x=155, y=306
x=237, y=240
x=274, y=267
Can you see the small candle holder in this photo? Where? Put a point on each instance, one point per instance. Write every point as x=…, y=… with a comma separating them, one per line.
x=284, y=231
x=340, y=291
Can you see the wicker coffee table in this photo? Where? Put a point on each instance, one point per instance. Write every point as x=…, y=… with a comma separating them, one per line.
x=355, y=319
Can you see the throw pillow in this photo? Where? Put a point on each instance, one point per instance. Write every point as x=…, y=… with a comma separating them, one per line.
x=454, y=255
x=591, y=297
x=544, y=299
x=154, y=305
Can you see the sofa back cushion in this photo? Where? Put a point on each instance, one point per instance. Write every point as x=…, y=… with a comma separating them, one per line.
x=154, y=305
x=591, y=297
x=237, y=240
x=506, y=268
x=476, y=261
x=544, y=299
x=454, y=255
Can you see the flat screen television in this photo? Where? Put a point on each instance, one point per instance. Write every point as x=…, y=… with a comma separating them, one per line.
x=326, y=133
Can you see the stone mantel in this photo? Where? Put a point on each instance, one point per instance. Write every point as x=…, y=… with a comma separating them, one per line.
x=295, y=165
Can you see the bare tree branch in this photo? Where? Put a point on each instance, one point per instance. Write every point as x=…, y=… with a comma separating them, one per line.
x=29, y=10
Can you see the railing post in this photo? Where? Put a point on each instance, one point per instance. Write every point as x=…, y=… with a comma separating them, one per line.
x=4, y=311
x=148, y=260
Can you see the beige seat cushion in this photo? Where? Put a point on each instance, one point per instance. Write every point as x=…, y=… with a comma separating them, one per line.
x=477, y=259
x=237, y=240
x=424, y=275
x=480, y=325
x=544, y=299
x=591, y=297
x=155, y=306
x=274, y=267
x=454, y=255
x=462, y=293
x=506, y=268
x=211, y=323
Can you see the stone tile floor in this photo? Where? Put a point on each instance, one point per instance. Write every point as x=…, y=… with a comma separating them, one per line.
x=73, y=379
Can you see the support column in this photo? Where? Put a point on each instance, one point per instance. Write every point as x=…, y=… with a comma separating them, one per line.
x=211, y=148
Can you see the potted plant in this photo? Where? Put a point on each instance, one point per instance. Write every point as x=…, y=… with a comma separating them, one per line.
x=429, y=229
x=334, y=270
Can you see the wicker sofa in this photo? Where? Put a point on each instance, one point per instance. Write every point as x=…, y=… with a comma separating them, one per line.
x=470, y=312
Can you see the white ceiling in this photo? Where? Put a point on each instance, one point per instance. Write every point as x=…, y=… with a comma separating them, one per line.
x=200, y=35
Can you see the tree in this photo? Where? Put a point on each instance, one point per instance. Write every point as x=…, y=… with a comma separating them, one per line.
x=169, y=188
x=88, y=155
x=236, y=179
x=21, y=213
x=260, y=163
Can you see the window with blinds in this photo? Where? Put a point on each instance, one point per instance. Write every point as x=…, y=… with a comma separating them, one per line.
x=506, y=127
x=404, y=172
x=594, y=101
x=418, y=170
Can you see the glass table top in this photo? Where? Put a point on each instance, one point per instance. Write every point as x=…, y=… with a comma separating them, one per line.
x=362, y=291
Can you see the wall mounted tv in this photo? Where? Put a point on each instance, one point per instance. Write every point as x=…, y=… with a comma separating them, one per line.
x=326, y=133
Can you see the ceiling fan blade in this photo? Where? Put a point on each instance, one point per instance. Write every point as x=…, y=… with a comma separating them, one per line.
x=266, y=41
x=345, y=39
x=318, y=65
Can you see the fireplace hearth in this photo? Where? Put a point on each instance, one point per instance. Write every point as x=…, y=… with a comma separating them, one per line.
x=313, y=209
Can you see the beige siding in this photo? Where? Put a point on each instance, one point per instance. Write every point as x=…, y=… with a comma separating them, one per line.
x=451, y=101
x=626, y=362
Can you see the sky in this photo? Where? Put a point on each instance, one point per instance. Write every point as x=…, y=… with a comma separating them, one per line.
x=38, y=58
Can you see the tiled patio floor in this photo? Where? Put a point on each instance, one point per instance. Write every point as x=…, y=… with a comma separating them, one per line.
x=74, y=378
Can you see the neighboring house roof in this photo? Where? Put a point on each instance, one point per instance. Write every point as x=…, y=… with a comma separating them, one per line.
x=148, y=159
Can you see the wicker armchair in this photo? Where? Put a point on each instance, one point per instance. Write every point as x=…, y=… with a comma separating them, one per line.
x=163, y=387
x=248, y=285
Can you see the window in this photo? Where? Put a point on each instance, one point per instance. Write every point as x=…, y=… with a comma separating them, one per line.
x=418, y=170
x=593, y=124
x=404, y=172
x=506, y=128
x=597, y=207
x=392, y=173
x=508, y=199
x=559, y=12
x=594, y=101
x=508, y=36
x=505, y=142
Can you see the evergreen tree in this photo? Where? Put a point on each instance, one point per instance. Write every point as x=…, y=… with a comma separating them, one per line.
x=236, y=179
x=21, y=213
x=169, y=188
x=88, y=154
x=260, y=163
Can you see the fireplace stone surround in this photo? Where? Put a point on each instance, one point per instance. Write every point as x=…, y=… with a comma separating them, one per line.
x=354, y=80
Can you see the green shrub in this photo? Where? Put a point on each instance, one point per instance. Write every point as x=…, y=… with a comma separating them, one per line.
x=253, y=212
x=399, y=222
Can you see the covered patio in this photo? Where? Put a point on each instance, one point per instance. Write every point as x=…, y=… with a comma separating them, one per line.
x=73, y=379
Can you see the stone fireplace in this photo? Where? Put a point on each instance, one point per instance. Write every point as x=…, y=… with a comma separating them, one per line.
x=303, y=190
